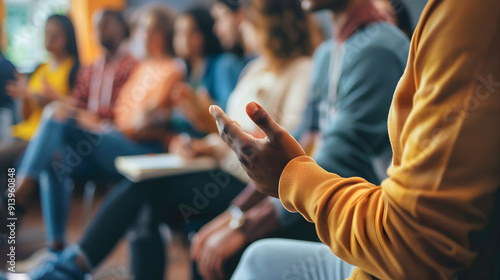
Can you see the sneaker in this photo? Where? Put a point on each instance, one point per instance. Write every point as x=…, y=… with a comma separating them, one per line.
x=64, y=268
x=37, y=259
x=57, y=271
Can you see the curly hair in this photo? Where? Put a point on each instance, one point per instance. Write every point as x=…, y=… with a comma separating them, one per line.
x=284, y=25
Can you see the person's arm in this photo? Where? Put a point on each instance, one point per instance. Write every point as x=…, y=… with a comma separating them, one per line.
x=174, y=79
x=364, y=114
x=219, y=83
x=441, y=190
x=248, y=198
x=260, y=220
x=29, y=104
x=151, y=123
x=195, y=108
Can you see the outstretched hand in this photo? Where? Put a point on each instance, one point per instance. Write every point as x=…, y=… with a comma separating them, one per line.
x=262, y=159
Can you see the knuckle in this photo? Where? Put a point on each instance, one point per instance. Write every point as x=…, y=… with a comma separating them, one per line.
x=247, y=149
x=226, y=129
x=243, y=159
x=262, y=119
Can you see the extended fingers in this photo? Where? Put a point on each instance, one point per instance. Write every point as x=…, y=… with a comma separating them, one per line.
x=262, y=119
x=196, y=246
x=229, y=130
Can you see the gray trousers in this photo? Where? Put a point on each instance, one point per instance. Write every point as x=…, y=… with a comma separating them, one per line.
x=282, y=259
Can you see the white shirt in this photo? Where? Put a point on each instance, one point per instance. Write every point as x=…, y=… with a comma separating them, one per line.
x=283, y=95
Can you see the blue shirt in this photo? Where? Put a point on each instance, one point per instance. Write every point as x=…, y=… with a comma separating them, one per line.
x=222, y=75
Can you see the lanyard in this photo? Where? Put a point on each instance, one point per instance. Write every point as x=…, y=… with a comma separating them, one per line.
x=327, y=107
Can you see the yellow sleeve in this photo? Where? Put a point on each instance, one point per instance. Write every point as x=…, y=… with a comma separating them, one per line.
x=422, y=222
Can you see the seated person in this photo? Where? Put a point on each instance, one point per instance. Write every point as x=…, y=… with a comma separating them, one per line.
x=342, y=133
x=437, y=214
x=211, y=74
x=85, y=144
x=98, y=86
x=7, y=106
x=7, y=73
x=94, y=96
x=277, y=80
x=49, y=82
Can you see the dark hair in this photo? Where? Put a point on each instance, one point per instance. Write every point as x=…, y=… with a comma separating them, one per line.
x=231, y=4
x=71, y=46
x=285, y=25
x=403, y=17
x=164, y=17
x=205, y=24
x=118, y=15
x=234, y=5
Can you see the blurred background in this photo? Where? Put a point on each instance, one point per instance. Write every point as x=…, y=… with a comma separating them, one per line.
x=24, y=21
x=22, y=33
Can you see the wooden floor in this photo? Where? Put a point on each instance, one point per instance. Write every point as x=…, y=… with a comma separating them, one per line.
x=31, y=237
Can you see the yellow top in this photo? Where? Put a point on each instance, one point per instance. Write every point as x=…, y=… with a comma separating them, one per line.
x=435, y=216
x=58, y=79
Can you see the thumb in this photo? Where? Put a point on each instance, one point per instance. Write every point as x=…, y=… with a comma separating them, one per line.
x=195, y=247
x=262, y=119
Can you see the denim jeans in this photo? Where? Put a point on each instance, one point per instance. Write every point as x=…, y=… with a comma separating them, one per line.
x=185, y=201
x=62, y=149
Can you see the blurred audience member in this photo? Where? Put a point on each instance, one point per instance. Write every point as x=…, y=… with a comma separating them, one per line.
x=212, y=75
x=340, y=97
x=8, y=116
x=7, y=107
x=96, y=90
x=228, y=16
x=51, y=81
x=86, y=145
x=97, y=86
x=437, y=215
x=277, y=80
x=281, y=35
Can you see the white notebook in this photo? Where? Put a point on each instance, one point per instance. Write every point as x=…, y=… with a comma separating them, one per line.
x=145, y=167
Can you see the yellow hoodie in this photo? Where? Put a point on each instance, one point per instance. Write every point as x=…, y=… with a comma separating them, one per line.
x=436, y=216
